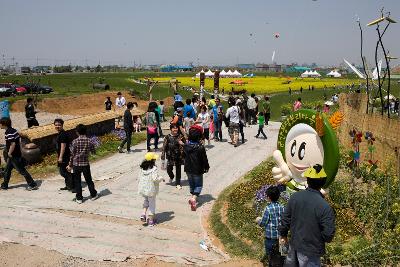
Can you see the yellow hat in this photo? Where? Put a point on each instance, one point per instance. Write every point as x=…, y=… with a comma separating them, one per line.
x=315, y=172
x=150, y=156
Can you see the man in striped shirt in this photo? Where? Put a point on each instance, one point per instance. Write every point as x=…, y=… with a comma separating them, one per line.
x=270, y=221
x=14, y=157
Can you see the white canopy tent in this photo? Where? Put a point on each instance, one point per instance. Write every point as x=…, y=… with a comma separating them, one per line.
x=209, y=73
x=229, y=73
x=222, y=74
x=236, y=74
x=305, y=74
x=312, y=74
x=198, y=74
x=315, y=74
x=334, y=74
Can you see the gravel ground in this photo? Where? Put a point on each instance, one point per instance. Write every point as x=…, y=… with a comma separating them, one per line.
x=19, y=120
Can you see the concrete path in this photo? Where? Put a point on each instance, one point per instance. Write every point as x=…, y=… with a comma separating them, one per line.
x=109, y=228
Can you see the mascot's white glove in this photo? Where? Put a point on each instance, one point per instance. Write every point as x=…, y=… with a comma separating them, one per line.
x=281, y=173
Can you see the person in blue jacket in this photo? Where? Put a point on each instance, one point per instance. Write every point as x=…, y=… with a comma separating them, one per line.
x=189, y=108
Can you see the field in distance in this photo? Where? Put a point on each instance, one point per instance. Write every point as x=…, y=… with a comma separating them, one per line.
x=265, y=84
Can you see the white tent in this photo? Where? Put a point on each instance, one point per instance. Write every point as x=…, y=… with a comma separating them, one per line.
x=209, y=73
x=314, y=74
x=198, y=74
x=334, y=74
x=305, y=74
x=236, y=74
x=229, y=73
x=222, y=73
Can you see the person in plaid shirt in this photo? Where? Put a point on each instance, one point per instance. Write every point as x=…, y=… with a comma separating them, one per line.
x=79, y=163
x=270, y=221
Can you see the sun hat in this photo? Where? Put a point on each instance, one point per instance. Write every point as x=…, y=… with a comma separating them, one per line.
x=150, y=156
x=315, y=172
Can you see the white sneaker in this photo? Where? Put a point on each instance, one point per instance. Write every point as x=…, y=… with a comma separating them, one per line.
x=179, y=187
x=79, y=201
x=120, y=150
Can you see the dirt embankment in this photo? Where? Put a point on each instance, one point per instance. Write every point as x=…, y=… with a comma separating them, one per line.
x=83, y=104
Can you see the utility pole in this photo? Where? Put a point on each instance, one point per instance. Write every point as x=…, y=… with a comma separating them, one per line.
x=4, y=62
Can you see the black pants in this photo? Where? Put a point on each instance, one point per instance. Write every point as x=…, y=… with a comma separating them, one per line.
x=177, y=170
x=18, y=164
x=69, y=182
x=78, y=170
x=241, y=127
x=32, y=122
x=261, y=131
x=267, y=117
x=127, y=140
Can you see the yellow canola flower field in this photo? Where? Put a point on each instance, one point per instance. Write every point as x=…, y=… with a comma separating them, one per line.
x=264, y=84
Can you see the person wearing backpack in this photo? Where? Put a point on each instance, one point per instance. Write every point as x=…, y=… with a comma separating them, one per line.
x=173, y=153
x=196, y=163
x=152, y=127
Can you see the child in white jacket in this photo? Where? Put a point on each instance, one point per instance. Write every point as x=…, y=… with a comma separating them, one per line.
x=149, y=181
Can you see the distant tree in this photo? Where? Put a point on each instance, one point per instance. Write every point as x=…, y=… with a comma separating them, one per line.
x=98, y=68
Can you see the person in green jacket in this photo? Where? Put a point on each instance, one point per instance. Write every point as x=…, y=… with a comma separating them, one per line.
x=261, y=120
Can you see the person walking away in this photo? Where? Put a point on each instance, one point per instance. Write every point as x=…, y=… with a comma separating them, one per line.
x=188, y=109
x=232, y=113
x=218, y=118
x=14, y=156
x=196, y=164
x=152, y=127
x=251, y=105
x=158, y=118
x=63, y=143
x=188, y=121
x=211, y=102
x=79, y=163
x=242, y=119
x=128, y=128
x=297, y=104
x=120, y=103
x=162, y=111
x=173, y=153
x=261, y=121
x=267, y=109
x=108, y=104
x=148, y=187
x=309, y=217
x=270, y=222
x=30, y=113
x=204, y=119
x=178, y=101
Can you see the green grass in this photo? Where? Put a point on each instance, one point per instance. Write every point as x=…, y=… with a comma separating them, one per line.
x=240, y=234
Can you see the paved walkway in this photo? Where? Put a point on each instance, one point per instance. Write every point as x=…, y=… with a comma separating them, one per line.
x=109, y=228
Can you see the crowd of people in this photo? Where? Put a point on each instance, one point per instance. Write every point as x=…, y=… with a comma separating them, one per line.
x=194, y=124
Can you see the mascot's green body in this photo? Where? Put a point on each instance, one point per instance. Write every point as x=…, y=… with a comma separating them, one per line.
x=305, y=138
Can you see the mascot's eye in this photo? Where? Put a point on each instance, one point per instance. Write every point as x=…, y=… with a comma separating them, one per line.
x=293, y=149
x=302, y=150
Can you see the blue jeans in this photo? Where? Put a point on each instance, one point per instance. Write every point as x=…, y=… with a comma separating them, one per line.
x=298, y=259
x=217, y=129
x=272, y=250
x=195, y=183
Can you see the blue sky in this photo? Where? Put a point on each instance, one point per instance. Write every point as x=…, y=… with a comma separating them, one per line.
x=182, y=31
